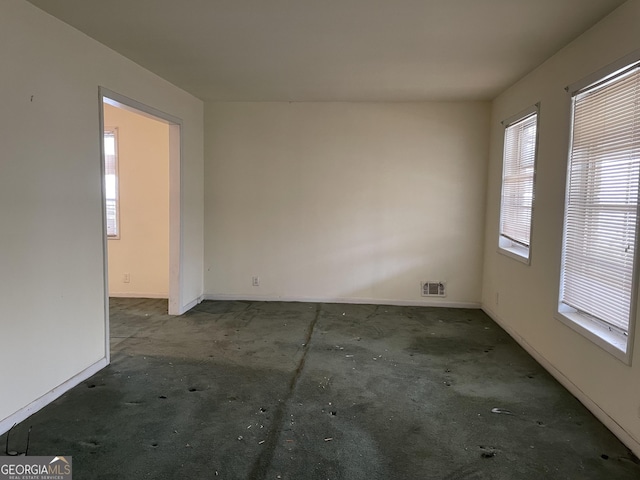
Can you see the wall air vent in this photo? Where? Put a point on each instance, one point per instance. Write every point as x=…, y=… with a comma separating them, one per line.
x=433, y=289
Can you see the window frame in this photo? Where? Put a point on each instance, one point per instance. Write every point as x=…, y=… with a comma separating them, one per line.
x=617, y=343
x=114, y=131
x=507, y=246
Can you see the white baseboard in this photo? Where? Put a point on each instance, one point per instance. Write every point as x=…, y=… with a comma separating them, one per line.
x=366, y=301
x=625, y=437
x=191, y=304
x=138, y=295
x=47, y=398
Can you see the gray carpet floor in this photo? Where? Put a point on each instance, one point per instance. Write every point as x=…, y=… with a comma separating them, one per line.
x=252, y=390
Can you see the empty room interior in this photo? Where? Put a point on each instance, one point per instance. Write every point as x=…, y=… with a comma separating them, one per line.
x=325, y=240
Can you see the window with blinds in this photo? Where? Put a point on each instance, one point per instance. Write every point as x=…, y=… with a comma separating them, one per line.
x=518, y=175
x=601, y=213
x=111, y=181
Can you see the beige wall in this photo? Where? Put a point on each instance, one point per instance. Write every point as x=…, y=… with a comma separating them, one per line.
x=345, y=201
x=52, y=312
x=353, y=202
x=142, y=250
x=528, y=295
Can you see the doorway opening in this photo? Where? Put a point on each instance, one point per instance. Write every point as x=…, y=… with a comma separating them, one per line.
x=141, y=156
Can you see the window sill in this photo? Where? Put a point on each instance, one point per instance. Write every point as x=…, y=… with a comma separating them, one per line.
x=613, y=342
x=513, y=250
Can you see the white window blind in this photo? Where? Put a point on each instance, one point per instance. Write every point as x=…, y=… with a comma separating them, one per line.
x=602, y=201
x=518, y=174
x=111, y=181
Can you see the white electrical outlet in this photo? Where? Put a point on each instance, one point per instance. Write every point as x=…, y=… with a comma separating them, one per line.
x=126, y=278
x=255, y=281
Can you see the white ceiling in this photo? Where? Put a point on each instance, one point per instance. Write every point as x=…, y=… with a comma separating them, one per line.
x=335, y=50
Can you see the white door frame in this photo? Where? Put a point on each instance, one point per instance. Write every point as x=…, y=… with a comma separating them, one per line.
x=175, y=197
